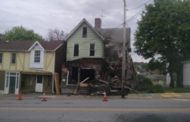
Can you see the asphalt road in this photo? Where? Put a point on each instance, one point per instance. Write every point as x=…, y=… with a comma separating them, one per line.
x=95, y=110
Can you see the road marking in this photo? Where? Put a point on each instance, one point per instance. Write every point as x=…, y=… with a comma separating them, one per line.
x=98, y=109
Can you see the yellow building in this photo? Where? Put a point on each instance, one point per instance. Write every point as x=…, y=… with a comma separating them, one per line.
x=27, y=66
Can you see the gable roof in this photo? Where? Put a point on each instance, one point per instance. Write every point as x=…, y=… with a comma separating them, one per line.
x=26, y=45
x=79, y=25
x=115, y=34
x=34, y=44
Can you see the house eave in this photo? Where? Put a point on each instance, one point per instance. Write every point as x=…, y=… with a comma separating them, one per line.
x=76, y=28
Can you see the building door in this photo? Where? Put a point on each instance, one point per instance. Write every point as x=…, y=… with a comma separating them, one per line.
x=39, y=83
x=12, y=82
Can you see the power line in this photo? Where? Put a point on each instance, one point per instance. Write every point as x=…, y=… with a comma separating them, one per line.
x=131, y=18
x=141, y=5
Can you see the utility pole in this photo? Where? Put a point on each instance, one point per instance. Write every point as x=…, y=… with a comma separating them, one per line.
x=124, y=52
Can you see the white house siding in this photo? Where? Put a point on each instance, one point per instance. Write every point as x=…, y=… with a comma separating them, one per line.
x=84, y=44
x=186, y=74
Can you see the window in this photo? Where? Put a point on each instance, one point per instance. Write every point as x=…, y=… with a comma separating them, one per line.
x=76, y=50
x=92, y=49
x=84, y=32
x=39, y=79
x=13, y=58
x=37, y=56
x=1, y=58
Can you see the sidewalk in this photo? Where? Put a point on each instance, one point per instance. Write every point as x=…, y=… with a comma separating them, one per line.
x=160, y=96
x=130, y=96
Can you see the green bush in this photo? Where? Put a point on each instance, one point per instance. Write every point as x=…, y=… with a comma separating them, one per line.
x=143, y=83
x=156, y=89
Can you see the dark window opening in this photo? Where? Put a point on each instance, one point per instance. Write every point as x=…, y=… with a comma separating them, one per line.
x=74, y=75
x=92, y=49
x=84, y=32
x=84, y=73
x=13, y=58
x=39, y=79
x=1, y=57
x=76, y=50
x=49, y=79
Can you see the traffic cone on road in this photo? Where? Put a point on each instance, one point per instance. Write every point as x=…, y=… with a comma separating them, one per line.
x=105, y=97
x=19, y=96
x=44, y=98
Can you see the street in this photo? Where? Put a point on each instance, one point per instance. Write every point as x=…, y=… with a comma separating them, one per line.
x=93, y=109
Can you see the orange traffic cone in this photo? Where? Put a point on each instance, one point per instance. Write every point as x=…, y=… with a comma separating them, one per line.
x=19, y=96
x=44, y=98
x=105, y=97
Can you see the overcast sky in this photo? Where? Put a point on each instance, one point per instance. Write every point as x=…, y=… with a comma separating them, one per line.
x=42, y=15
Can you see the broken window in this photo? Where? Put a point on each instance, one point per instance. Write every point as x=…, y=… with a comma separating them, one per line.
x=76, y=50
x=84, y=32
x=92, y=49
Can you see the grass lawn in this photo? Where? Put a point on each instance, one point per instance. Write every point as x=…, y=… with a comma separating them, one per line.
x=177, y=90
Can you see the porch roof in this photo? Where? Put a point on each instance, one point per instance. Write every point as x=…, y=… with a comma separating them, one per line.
x=36, y=73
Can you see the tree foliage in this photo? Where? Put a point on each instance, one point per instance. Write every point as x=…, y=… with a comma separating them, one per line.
x=163, y=34
x=21, y=33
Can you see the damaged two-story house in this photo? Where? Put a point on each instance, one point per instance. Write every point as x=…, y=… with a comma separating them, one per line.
x=85, y=53
x=91, y=52
x=113, y=39
x=28, y=66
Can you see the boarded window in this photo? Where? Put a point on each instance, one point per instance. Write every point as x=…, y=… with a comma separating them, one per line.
x=92, y=49
x=76, y=50
x=1, y=58
x=37, y=56
x=13, y=58
x=84, y=32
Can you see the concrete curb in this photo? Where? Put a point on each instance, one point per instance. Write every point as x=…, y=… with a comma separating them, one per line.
x=75, y=97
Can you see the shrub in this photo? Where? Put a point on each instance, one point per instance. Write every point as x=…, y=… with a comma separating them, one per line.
x=156, y=89
x=143, y=83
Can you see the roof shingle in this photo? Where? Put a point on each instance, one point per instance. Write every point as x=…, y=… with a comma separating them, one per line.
x=25, y=45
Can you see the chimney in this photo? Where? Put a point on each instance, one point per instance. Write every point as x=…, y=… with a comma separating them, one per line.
x=98, y=23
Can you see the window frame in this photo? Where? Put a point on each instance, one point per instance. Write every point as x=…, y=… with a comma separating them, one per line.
x=37, y=58
x=13, y=58
x=76, y=50
x=92, y=49
x=84, y=32
x=39, y=79
x=1, y=58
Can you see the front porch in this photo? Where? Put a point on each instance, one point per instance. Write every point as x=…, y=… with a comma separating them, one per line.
x=79, y=70
x=36, y=82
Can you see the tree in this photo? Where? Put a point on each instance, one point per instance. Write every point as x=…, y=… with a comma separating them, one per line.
x=163, y=35
x=21, y=33
x=56, y=35
x=1, y=36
